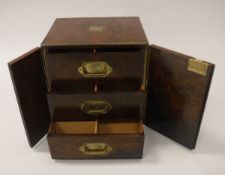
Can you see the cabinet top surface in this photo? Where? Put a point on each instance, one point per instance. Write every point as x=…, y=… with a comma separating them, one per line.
x=96, y=31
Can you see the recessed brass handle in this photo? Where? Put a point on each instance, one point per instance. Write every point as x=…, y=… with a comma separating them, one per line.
x=96, y=107
x=95, y=69
x=95, y=148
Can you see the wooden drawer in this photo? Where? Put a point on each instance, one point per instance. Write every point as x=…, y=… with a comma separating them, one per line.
x=96, y=140
x=79, y=70
x=67, y=107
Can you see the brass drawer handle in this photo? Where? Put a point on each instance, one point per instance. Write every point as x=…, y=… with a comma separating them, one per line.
x=95, y=148
x=96, y=107
x=96, y=69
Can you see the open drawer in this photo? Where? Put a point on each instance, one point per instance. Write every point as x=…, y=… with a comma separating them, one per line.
x=96, y=139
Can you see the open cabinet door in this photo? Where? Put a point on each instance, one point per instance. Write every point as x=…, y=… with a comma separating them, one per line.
x=178, y=87
x=29, y=84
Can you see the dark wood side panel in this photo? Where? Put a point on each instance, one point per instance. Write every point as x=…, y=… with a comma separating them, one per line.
x=176, y=96
x=29, y=84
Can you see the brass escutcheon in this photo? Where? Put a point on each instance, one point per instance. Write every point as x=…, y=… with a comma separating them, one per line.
x=96, y=69
x=198, y=66
x=96, y=107
x=95, y=148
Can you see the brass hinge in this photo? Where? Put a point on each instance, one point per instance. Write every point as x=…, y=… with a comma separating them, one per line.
x=198, y=66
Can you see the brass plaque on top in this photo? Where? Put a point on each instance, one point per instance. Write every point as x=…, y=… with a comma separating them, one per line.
x=95, y=28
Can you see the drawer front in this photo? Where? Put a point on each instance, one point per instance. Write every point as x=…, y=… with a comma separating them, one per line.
x=80, y=71
x=96, y=146
x=68, y=107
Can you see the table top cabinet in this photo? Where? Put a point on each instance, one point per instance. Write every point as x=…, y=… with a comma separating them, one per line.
x=94, y=82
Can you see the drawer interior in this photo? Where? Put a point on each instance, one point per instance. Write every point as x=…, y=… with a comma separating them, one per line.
x=96, y=127
x=73, y=127
x=121, y=127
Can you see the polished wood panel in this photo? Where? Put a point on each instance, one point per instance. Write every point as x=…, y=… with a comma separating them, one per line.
x=176, y=96
x=29, y=84
x=96, y=31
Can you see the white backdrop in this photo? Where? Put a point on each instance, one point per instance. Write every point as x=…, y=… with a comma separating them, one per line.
x=196, y=28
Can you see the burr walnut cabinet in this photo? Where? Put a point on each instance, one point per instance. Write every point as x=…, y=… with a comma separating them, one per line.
x=95, y=82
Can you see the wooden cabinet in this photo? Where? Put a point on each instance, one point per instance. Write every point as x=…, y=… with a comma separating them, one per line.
x=95, y=82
